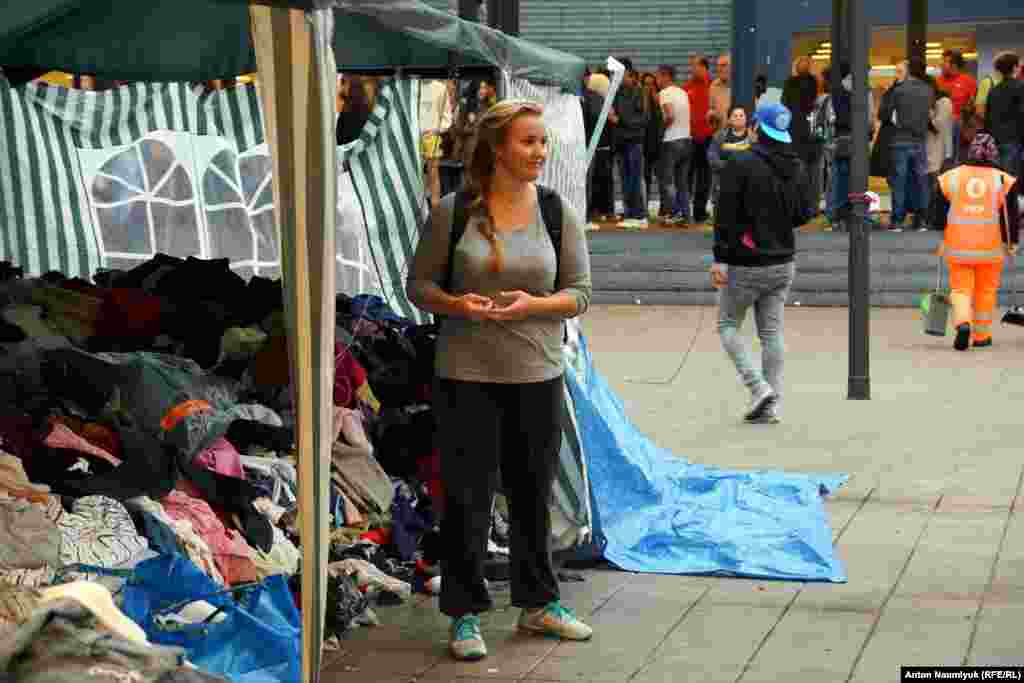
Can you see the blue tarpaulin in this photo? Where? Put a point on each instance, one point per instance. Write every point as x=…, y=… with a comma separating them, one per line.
x=658, y=513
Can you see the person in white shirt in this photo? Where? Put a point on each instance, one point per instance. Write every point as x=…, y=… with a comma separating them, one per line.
x=435, y=119
x=677, y=148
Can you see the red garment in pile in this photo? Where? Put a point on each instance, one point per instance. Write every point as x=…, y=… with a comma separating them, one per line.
x=98, y=435
x=349, y=375
x=61, y=436
x=130, y=313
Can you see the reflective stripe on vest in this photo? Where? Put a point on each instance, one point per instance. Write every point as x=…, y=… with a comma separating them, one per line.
x=980, y=256
x=973, y=231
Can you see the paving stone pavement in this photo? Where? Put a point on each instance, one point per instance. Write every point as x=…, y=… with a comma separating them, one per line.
x=928, y=525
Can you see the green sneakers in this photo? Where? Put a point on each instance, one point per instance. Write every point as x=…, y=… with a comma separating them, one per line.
x=466, y=641
x=554, y=620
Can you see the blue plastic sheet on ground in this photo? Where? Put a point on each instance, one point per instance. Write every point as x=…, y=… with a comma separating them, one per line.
x=660, y=514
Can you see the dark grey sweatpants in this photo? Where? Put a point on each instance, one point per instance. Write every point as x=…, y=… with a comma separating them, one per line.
x=489, y=429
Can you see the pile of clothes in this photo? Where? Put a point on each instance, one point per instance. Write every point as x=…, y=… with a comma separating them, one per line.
x=148, y=415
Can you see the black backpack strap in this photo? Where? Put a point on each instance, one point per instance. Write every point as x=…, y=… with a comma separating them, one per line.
x=553, y=217
x=460, y=219
x=551, y=212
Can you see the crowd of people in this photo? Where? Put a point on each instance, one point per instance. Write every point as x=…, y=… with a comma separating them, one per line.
x=936, y=139
x=662, y=133
x=676, y=136
x=925, y=126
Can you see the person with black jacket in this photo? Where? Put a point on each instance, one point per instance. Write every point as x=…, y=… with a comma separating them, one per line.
x=629, y=120
x=764, y=199
x=840, y=112
x=907, y=106
x=800, y=95
x=1004, y=114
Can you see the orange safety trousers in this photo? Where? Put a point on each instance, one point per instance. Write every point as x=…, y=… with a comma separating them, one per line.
x=975, y=286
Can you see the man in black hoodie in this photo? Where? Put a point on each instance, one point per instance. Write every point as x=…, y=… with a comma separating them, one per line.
x=764, y=198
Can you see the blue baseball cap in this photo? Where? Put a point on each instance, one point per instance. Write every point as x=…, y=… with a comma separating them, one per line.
x=774, y=120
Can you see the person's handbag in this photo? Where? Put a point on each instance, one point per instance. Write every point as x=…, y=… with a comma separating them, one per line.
x=935, y=307
x=880, y=162
x=252, y=632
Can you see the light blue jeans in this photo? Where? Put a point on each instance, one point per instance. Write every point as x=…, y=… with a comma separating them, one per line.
x=766, y=289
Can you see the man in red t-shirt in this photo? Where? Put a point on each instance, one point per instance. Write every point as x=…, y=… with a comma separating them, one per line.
x=698, y=88
x=962, y=87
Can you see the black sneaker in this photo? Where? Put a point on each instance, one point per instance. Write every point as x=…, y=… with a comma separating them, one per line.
x=963, y=337
x=983, y=343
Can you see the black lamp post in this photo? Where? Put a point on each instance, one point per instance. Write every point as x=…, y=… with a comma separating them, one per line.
x=859, y=383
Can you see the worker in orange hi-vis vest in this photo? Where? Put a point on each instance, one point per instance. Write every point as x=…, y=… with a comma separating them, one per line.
x=981, y=229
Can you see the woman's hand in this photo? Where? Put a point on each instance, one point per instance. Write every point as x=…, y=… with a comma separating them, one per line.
x=1011, y=249
x=517, y=305
x=941, y=250
x=474, y=306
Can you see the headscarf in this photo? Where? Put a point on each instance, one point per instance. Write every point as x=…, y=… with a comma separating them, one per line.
x=983, y=148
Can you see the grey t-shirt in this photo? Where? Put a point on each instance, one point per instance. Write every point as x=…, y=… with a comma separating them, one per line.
x=516, y=352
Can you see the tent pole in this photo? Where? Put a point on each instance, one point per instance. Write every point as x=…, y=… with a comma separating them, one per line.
x=297, y=76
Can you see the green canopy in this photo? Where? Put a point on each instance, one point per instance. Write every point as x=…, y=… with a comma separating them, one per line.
x=418, y=35
x=20, y=18
x=197, y=40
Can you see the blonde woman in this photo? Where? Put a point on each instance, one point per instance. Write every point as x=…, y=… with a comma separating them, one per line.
x=504, y=294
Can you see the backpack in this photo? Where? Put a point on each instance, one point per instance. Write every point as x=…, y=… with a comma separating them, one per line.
x=550, y=211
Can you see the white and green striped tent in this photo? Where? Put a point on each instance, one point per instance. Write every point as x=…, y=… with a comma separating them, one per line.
x=45, y=206
x=61, y=143
x=85, y=183
x=89, y=147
